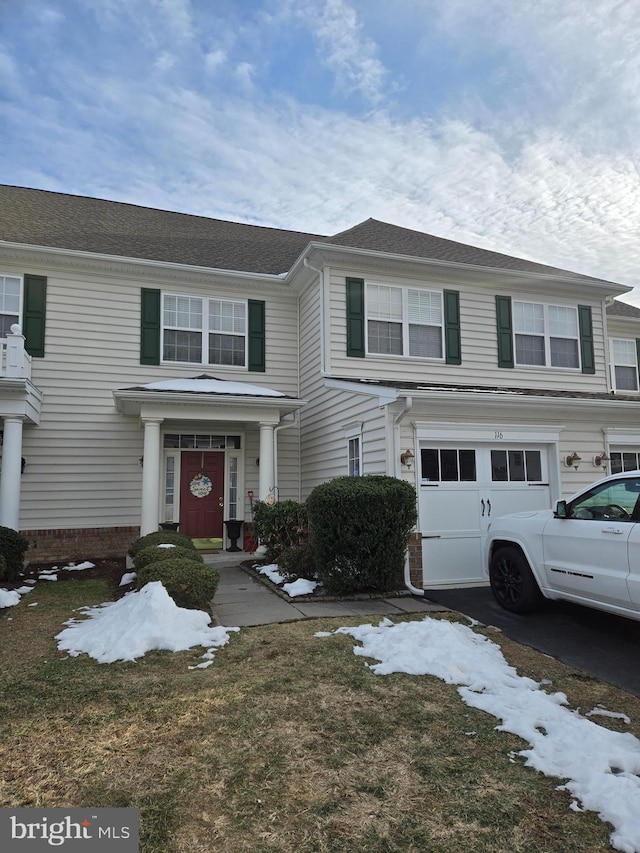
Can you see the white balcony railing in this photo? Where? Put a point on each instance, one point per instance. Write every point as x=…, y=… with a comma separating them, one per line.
x=15, y=361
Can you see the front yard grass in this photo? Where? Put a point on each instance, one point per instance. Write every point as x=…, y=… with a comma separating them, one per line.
x=286, y=744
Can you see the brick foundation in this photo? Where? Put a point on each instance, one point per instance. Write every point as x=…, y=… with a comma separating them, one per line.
x=415, y=559
x=77, y=544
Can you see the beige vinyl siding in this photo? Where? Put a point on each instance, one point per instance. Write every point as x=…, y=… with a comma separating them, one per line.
x=330, y=412
x=478, y=336
x=82, y=460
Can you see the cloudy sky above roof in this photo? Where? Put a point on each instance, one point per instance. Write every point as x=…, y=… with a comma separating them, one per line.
x=513, y=126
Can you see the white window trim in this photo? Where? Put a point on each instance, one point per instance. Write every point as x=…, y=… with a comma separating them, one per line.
x=614, y=364
x=406, y=321
x=547, y=337
x=351, y=434
x=205, y=331
x=20, y=278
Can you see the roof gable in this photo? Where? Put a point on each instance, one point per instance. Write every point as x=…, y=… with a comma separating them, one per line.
x=374, y=235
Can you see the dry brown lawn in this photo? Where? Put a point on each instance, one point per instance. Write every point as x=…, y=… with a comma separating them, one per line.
x=287, y=744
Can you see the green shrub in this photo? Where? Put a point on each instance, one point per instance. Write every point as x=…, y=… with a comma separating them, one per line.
x=13, y=547
x=298, y=561
x=280, y=526
x=3, y=566
x=190, y=584
x=360, y=529
x=167, y=537
x=158, y=554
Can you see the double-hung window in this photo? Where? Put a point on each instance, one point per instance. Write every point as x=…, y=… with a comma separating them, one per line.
x=9, y=303
x=404, y=321
x=546, y=335
x=204, y=331
x=624, y=357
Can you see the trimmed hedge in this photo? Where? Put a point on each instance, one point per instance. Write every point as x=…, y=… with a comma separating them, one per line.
x=167, y=537
x=298, y=561
x=360, y=529
x=13, y=547
x=189, y=583
x=158, y=554
x=280, y=526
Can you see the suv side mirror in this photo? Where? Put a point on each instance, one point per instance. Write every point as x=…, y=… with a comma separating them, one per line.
x=560, y=510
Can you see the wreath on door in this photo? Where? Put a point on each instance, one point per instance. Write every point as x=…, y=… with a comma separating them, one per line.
x=200, y=486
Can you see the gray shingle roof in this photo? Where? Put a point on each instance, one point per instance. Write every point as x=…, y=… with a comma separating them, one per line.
x=44, y=218
x=373, y=234
x=622, y=309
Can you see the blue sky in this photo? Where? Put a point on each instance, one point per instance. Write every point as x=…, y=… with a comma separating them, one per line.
x=508, y=124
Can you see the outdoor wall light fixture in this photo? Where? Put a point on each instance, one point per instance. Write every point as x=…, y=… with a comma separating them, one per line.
x=600, y=461
x=406, y=458
x=141, y=462
x=573, y=460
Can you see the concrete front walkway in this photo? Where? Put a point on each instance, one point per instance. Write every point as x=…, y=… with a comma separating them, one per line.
x=241, y=600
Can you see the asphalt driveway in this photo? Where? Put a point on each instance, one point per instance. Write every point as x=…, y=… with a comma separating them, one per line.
x=602, y=645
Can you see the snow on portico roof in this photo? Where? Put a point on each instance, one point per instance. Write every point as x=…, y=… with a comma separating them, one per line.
x=211, y=385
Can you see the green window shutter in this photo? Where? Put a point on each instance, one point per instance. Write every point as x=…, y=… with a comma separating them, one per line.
x=586, y=339
x=257, y=337
x=355, y=317
x=504, y=327
x=33, y=320
x=638, y=357
x=452, y=344
x=149, y=326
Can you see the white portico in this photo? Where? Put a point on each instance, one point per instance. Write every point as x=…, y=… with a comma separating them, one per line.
x=195, y=450
x=20, y=403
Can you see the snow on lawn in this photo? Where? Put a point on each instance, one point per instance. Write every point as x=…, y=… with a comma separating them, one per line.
x=139, y=622
x=602, y=766
x=293, y=589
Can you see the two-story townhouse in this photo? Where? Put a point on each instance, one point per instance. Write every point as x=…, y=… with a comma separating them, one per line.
x=182, y=366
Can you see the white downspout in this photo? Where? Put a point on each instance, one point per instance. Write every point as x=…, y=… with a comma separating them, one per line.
x=408, y=404
x=281, y=425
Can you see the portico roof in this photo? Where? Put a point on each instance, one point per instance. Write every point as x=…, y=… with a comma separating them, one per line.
x=203, y=397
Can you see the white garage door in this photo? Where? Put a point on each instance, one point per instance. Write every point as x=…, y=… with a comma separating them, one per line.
x=462, y=488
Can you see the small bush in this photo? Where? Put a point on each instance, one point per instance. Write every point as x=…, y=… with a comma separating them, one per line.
x=280, y=526
x=167, y=537
x=158, y=554
x=190, y=584
x=298, y=561
x=360, y=529
x=13, y=547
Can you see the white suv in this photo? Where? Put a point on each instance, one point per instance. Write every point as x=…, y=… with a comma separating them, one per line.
x=586, y=551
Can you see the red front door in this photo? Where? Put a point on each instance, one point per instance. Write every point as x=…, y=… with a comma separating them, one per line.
x=201, y=493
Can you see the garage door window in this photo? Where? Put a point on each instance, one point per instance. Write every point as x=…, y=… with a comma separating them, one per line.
x=624, y=461
x=448, y=466
x=509, y=466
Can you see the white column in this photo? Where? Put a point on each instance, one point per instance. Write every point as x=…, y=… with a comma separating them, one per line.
x=150, y=477
x=266, y=479
x=11, y=471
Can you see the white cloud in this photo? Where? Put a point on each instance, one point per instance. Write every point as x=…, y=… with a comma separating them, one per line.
x=348, y=54
x=214, y=59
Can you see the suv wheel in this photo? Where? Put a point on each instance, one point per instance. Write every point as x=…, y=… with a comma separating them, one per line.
x=512, y=582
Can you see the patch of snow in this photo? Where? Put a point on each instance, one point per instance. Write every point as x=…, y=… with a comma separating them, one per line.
x=141, y=621
x=602, y=766
x=272, y=572
x=47, y=577
x=72, y=567
x=212, y=386
x=301, y=586
x=602, y=712
x=9, y=597
x=127, y=578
